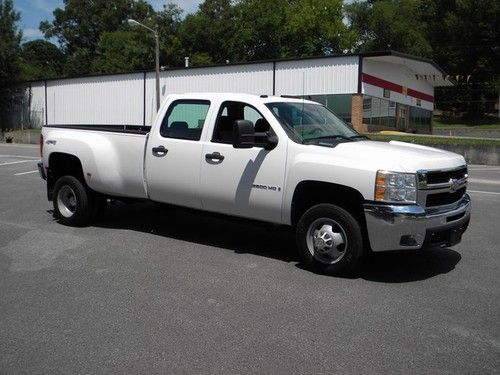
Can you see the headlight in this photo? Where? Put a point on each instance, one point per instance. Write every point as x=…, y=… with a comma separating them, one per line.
x=396, y=187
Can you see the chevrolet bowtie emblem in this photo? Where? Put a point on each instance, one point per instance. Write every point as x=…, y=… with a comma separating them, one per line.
x=455, y=185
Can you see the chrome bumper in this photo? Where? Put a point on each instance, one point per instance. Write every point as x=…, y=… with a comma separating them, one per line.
x=392, y=227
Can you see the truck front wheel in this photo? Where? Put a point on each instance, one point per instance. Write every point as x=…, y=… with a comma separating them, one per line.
x=329, y=240
x=72, y=202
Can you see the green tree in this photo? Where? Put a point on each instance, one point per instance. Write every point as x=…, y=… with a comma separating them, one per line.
x=10, y=39
x=124, y=51
x=41, y=59
x=465, y=35
x=169, y=21
x=315, y=27
x=389, y=24
x=79, y=25
x=262, y=31
x=213, y=31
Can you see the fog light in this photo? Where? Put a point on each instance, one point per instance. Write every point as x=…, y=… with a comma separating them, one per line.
x=408, y=240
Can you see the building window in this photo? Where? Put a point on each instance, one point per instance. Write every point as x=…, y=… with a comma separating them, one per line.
x=367, y=103
x=378, y=111
x=387, y=93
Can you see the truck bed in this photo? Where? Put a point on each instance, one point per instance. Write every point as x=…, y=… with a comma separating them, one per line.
x=112, y=156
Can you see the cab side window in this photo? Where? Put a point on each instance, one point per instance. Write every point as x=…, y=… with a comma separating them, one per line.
x=185, y=119
x=232, y=111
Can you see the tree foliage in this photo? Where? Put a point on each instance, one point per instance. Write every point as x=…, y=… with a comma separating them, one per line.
x=80, y=24
x=41, y=59
x=10, y=40
x=389, y=24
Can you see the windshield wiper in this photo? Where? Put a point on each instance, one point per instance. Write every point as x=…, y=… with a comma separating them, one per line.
x=338, y=136
x=359, y=136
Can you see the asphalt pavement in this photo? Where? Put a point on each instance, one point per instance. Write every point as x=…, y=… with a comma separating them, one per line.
x=152, y=290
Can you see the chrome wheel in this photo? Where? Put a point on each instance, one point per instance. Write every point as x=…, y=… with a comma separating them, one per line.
x=66, y=201
x=326, y=240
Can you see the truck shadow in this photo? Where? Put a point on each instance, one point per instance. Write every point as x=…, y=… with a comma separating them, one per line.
x=407, y=265
x=239, y=235
x=276, y=242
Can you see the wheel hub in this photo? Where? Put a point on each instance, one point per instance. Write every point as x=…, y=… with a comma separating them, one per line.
x=66, y=201
x=327, y=241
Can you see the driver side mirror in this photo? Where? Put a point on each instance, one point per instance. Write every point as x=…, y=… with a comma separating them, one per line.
x=243, y=134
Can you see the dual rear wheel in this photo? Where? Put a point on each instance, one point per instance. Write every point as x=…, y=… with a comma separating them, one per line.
x=74, y=203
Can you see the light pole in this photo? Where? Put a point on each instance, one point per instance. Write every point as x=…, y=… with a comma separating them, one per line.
x=132, y=22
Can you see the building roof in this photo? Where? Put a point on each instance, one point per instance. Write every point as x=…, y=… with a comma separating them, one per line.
x=425, y=69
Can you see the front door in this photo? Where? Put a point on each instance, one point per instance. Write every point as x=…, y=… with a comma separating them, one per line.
x=174, y=152
x=402, y=118
x=242, y=182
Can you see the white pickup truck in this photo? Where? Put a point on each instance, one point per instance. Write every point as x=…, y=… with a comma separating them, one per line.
x=275, y=159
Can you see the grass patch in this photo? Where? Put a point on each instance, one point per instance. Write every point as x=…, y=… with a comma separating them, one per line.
x=480, y=124
x=430, y=140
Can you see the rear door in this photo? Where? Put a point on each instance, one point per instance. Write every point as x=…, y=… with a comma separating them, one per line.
x=174, y=153
x=242, y=182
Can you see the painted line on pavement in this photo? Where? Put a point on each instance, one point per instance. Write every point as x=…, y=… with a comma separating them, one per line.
x=483, y=192
x=20, y=174
x=484, y=181
x=17, y=162
x=484, y=169
x=20, y=156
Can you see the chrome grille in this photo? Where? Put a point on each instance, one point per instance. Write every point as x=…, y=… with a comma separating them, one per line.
x=441, y=187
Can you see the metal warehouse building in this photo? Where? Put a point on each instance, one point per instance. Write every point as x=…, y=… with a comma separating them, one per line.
x=373, y=91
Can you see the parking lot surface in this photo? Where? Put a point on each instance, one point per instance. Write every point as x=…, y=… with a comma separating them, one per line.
x=152, y=290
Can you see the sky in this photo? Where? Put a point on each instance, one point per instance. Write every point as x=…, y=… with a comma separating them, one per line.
x=34, y=11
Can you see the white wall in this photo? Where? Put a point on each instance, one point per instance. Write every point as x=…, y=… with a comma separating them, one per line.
x=114, y=99
x=337, y=75
x=119, y=99
x=400, y=75
x=38, y=103
x=248, y=78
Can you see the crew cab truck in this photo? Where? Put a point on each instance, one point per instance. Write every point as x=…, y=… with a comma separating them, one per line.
x=275, y=159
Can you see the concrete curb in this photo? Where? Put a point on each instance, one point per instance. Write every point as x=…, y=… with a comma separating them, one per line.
x=474, y=154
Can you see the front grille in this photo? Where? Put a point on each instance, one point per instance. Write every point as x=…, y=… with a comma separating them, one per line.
x=440, y=199
x=439, y=177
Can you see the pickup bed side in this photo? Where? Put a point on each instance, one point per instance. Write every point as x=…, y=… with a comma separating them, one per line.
x=111, y=159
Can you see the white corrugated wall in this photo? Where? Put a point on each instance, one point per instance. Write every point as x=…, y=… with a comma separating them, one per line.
x=248, y=78
x=114, y=99
x=119, y=99
x=338, y=75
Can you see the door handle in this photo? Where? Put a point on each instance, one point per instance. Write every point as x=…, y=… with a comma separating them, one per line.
x=214, y=156
x=159, y=151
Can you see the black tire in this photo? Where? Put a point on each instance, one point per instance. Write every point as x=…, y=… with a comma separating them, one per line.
x=73, y=202
x=330, y=240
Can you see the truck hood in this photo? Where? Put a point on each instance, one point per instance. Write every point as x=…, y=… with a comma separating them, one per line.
x=398, y=156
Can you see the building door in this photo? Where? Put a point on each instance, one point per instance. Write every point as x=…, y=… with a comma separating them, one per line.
x=402, y=117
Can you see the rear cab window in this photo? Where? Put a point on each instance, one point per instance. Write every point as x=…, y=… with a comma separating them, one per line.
x=185, y=119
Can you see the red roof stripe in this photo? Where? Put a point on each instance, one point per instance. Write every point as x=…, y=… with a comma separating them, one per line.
x=379, y=82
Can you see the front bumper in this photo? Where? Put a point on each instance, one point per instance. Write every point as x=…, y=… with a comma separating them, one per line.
x=392, y=227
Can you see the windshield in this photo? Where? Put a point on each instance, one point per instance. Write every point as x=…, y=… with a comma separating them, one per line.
x=308, y=122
